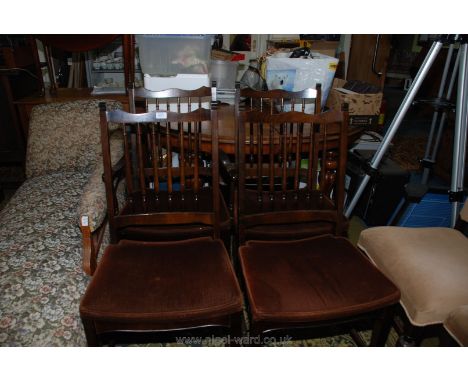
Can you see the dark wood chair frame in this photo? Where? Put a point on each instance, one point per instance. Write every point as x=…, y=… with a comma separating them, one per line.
x=166, y=99
x=273, y=101
x=379, y=322
x=156, y=126
x=232, y=325
x=257, y=160
x=267, y=101
x=289, y=133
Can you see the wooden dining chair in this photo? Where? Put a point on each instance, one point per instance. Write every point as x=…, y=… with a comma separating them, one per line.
x=288, y=186
x=177, y=100
x=269, y=102
x=277, y=101
x=168, y=166
x=301, y=276
x=145, y=291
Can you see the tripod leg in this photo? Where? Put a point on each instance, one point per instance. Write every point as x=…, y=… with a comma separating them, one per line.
x=427, y=155
x=393, y=128
x=459, y=139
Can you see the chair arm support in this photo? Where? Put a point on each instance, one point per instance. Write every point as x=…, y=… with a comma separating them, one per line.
x=91, y=245
x=117, y=170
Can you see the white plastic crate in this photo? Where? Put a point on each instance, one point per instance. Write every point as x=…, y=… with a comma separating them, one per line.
x=174, y=54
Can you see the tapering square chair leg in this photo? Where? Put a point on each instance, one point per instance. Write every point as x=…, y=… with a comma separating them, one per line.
x=382, y=327
x=412, y=336
x=90, y=332
x=237, y=325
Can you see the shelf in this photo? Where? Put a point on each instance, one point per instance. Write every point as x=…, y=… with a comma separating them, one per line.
x=113, y=70
x=109, y=90
x=108, y=70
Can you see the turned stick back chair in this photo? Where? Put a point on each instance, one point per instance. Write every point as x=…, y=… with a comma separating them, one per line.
x=270, y=102
x=283, y=190
x=165, y=200
x=278, y=101
x=148, y=291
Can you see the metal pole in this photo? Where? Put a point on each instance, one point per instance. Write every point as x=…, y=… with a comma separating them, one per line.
x=393, y=128
x=435, y=116
x=459, y=139
x=444, y=115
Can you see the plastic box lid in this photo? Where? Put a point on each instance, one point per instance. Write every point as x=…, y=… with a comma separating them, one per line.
x=169, y=55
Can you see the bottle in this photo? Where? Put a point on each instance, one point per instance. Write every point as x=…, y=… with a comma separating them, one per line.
x=383, y=109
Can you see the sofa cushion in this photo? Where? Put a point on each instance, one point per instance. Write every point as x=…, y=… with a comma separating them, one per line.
x=64, y=137
x=41, y=279
x=457, y=324
x=429, y=265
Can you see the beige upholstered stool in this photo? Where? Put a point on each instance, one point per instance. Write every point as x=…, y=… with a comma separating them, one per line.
x=428, y=265
x=456, y=324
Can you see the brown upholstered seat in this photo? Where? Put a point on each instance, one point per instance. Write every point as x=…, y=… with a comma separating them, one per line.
x=156, y=286
x=429, y=265
x=311, y=280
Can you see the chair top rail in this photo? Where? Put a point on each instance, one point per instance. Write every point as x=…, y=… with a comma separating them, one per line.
x=329, y=117
x=120, y=116
x=173, y=93
x=279, y=93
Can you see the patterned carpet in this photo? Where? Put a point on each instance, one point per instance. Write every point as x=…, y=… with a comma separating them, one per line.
x=407, y=151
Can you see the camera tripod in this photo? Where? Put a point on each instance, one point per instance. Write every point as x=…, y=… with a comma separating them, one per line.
x=456, y=192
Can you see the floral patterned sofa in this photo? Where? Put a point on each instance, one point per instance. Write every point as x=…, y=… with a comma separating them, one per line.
x=42, y=275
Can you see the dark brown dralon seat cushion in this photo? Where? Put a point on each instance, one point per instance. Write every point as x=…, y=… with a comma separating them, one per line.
x=169, y=282
x=176, y=232
x=313, y=279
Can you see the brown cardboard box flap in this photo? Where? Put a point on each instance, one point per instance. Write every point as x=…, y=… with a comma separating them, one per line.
x=359, y=104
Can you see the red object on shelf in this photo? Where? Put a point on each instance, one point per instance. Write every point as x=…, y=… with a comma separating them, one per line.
x=226, y=55
x=238, y=57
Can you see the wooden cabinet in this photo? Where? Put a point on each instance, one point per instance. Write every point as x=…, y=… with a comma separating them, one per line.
x=19, y=77
x=368, y=58
x=86, y=43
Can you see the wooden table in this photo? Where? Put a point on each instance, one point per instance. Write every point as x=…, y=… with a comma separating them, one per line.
x=226, y=123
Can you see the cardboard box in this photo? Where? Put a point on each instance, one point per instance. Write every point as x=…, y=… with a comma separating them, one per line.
x=328, y=48
x=364, y=109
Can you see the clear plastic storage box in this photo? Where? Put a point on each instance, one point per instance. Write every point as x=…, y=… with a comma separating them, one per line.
x=169, y=55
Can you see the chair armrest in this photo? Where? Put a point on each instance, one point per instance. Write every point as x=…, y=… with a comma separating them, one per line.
x=93, y=217
x=93, y=204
